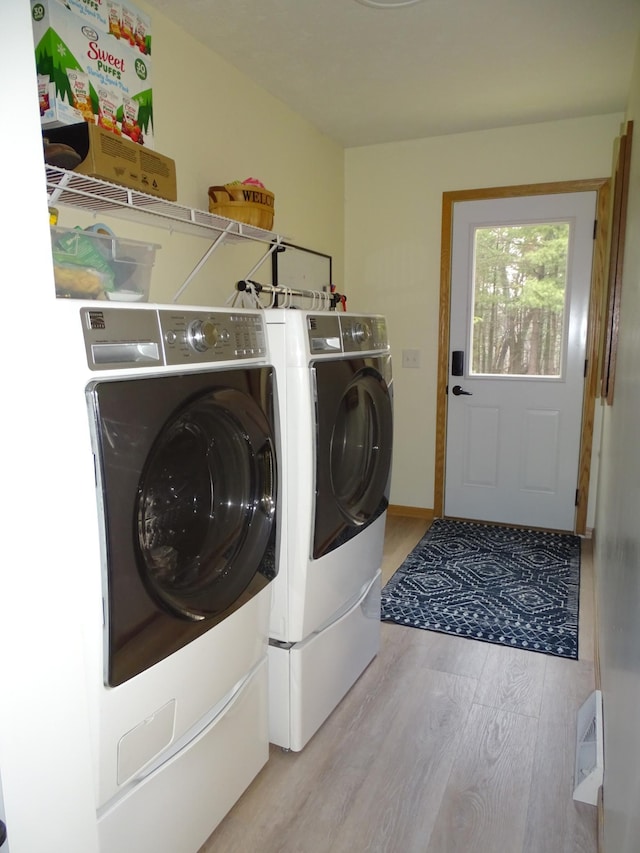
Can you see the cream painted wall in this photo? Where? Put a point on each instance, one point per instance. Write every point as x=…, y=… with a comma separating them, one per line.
x=220, y=126
x=617, y=538
x=392, y=235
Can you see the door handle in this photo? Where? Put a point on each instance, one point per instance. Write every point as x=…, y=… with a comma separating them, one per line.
x=458, y=392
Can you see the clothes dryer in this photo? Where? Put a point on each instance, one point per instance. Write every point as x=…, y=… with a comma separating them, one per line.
x=336, y=408
x=176, y=446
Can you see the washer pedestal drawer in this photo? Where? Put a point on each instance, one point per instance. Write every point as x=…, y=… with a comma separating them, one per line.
x=178, y=805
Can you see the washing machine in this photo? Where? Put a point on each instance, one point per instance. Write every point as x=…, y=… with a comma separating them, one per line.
x=336, y=409
x=172, y=436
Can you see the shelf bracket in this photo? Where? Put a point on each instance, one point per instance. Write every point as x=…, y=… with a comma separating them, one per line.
x=203, y=260
x=266, y=255
x=55, y=194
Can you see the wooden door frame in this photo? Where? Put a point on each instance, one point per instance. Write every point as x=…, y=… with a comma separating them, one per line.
x=594, y=330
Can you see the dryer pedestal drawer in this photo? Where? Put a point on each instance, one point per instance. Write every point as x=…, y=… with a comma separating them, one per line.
x=308, y=680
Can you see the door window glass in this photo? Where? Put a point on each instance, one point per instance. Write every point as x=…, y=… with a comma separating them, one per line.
x=519, y=298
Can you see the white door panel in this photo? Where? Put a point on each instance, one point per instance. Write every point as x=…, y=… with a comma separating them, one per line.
x=513, y=440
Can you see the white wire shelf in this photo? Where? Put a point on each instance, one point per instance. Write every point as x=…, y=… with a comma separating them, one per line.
x=71, y=189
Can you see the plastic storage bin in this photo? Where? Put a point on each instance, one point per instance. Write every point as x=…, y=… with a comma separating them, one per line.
x=95, y=264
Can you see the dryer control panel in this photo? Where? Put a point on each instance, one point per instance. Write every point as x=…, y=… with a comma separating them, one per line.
x=156, y=337
x=365, y=333
x=335, y=333
x=323, y=331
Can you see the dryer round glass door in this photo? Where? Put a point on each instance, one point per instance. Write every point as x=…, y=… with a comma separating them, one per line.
x=187, y=490
x=353, y=448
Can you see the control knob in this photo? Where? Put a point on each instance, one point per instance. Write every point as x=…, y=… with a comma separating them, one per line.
x=360, y=332
x=202, y=335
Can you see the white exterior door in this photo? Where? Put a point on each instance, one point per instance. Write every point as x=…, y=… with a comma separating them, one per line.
x=520, y=282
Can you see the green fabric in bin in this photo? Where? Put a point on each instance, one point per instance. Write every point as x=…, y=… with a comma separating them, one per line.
x=75, y=247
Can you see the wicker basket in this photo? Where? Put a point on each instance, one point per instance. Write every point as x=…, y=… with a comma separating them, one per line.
x=246, y=203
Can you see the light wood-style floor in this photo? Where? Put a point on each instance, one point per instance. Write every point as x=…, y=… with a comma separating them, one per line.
x=444, y=745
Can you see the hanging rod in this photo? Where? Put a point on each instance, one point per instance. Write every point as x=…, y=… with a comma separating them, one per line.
x=332, y=299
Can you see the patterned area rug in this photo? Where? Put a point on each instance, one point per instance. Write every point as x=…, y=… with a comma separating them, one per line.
x=513, y=587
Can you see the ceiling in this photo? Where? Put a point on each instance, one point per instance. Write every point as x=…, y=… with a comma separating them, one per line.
x=365, y=75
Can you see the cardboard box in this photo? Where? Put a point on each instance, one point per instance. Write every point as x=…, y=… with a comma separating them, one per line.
x=116, y=159
x=93, y=63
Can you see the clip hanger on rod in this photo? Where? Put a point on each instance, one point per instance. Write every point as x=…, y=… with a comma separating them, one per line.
x=332, y=298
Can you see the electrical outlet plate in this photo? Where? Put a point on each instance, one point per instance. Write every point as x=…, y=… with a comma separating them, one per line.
x=411, y=358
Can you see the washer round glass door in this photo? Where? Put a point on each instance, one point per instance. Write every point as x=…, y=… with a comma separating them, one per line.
x=187, y=490
x=353, y=448
x=206, y=503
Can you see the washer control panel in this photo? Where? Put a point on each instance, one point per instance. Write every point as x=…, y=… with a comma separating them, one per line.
x=147, y=337
x=191, y=336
